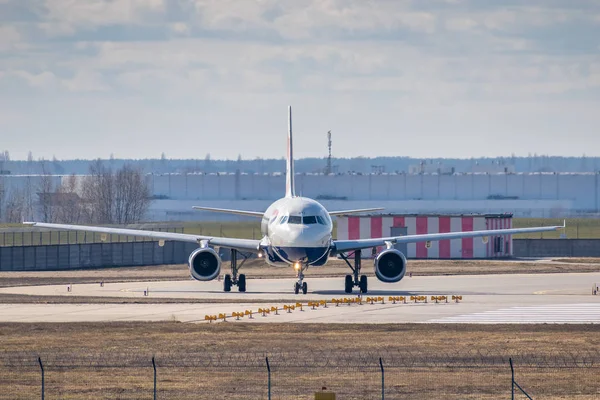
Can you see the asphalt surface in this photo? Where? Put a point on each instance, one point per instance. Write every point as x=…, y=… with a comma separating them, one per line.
x=536, y=298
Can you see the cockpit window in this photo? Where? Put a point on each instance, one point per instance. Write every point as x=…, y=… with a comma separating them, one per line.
x=320, y=220
x=308, y=220
x=295, y=219
x=283, y=219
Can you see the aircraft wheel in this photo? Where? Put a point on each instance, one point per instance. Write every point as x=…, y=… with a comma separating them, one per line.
x=242, y=283
x=296, y=288
x=348, y=284
x=227, y=283
x=304, y=288
x=363, y=284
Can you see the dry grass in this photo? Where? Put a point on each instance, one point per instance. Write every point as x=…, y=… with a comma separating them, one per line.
x=584, y=260
x=241, y=337
x=98, y=340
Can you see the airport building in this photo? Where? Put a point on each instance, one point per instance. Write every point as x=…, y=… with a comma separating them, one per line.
x=522, y=194
x=539, y=195
x=376, y=226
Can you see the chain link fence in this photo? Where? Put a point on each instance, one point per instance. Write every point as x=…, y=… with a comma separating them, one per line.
x=299, y=375
x=13, y=237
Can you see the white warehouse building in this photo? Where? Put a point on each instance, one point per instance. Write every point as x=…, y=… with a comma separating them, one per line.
x=521, y=194
x=524, y=195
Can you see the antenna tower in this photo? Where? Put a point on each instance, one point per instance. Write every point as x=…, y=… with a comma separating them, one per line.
x=328, y=169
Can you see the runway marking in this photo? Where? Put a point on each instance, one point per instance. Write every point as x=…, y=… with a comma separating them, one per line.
x=583, y=313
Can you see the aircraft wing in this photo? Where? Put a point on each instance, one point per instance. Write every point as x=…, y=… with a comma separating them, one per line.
x=250, y=245
x=342, y=246
x=360, y=210
x=256, y=214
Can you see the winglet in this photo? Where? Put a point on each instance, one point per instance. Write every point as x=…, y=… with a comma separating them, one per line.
x=564, y=224
x=290, y=190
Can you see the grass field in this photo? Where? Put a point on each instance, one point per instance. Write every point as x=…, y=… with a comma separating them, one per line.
x=576, y=228
x=80, y=360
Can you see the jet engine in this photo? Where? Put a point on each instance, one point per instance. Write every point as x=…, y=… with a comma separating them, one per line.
x=390, y=266
x=205, y=264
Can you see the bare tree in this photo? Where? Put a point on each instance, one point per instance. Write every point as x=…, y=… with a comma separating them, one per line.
x=15, y=206
x=122, y=197
x=2, y=195
x=28, y=208
x=132, y=195
x=45, y=191
x=98, y=192
x=69, y=206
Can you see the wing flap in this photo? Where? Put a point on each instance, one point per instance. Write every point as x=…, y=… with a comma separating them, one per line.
x=348, y=245
x=232, y=243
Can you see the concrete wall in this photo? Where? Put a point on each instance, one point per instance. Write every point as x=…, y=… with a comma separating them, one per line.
x=95, y=255
x=556, y=247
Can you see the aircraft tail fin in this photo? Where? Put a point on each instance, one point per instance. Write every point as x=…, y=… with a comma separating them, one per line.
x=290, y=189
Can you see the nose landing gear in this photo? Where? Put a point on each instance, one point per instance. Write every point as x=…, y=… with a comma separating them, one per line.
x=300, y=284
x=234, y=279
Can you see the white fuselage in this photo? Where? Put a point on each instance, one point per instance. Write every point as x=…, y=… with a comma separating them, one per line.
x=297, y=230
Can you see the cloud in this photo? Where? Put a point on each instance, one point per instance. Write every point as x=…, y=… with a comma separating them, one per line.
x=180, y=28
x=303, y=19
x=62, y=17
x=476, y=59
x=42, y=80
x=86, y=82
x=9, y=37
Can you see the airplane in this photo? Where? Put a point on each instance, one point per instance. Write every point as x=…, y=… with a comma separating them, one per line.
x=297, y=231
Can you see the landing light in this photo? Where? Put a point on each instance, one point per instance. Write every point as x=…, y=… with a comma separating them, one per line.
x=260, y=254
x=297, y=266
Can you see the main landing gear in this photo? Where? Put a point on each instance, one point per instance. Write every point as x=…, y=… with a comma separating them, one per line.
x=300, y=285
x=354, y=280
x=234, y=279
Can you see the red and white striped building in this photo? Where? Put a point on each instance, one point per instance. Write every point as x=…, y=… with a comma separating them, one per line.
x=374, y=226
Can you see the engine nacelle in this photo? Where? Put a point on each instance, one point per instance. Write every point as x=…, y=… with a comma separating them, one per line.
x=205, y=264
x=390, y=266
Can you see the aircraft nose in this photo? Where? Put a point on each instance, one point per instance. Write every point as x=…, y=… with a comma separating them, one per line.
x=307, y=235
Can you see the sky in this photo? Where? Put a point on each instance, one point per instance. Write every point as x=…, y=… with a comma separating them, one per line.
x=435, y=78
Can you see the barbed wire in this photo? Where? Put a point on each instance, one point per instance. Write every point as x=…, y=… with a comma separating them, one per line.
x=472, y=358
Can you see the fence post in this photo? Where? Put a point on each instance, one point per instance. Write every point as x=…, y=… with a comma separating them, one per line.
x=268, y=377
x=42, y=370
x=154, y=367
x=382, y=379
x=514, y=383
x=512, y=380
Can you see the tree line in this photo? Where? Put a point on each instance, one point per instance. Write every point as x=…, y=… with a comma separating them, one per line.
x=164, y=164
x=104, y=196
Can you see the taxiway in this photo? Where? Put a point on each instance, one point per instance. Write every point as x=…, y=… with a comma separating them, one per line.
x=523, y=298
